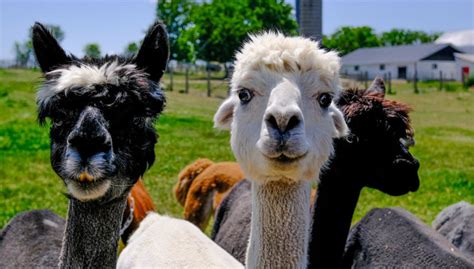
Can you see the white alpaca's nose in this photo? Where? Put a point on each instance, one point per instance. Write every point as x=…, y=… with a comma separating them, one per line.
x=283, y=122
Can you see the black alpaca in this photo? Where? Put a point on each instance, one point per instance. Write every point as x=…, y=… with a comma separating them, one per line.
x=393, y=237
x=102, y=137
x=375, y=155
x=381, y=126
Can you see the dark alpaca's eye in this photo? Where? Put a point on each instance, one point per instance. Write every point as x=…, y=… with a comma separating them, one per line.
x=57, y=123
x=324, y=99
x=245, y=95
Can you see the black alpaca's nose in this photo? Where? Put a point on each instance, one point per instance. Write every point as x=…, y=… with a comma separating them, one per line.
x=88, y=145
x=90, y=137
x=284, y=125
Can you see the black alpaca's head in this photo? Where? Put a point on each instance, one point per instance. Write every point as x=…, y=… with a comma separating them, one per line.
x=102, y=113
x=375, y=154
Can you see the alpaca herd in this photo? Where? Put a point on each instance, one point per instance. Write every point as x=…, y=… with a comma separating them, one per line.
x=290, y=124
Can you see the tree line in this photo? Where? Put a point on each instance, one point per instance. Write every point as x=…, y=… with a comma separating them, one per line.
x=213, y=30
x=347, y=39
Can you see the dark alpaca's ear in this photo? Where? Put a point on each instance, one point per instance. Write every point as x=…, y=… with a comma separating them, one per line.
x=154, y=52
x=48, y=52
x=377, y=86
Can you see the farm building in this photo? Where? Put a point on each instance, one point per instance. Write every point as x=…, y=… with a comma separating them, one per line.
x=464, y=41
x=465, y=63
x=402, y=62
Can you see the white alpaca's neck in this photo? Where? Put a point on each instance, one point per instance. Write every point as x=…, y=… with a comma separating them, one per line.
x=280, y=225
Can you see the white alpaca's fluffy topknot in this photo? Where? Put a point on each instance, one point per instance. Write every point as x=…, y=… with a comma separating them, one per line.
x=277, y=53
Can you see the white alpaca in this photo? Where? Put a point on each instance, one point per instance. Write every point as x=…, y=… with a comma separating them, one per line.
x=282, y=122
x=164, y=242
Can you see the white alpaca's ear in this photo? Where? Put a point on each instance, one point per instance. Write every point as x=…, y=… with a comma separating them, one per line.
x=339, y=122
x=225, y=114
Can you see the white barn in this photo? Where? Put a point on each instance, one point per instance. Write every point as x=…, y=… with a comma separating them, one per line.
x=464, y=63
x=464, y=41
x=427, y=60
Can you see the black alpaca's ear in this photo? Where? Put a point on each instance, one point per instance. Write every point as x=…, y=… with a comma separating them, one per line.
x=48, y=52
x=377, y=86
x=154, y=52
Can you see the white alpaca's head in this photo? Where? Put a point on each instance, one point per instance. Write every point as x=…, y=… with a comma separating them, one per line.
x=280, y=111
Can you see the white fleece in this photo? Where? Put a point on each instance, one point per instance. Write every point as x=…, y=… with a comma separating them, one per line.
x=165, y=242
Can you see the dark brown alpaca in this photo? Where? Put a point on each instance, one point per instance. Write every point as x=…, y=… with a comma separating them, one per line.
x=374, y=155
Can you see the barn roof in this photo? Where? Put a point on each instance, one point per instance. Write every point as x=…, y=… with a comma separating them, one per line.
x=465, y=57
x=392, y=54
x=467, y=49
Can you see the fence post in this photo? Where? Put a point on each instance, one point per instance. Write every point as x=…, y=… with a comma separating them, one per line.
x=463, y=79
x=186, y=89
x=171, y=79
x=390, y=82
x=366, y=79
x=415, y=80
x=208, y=83
x=440, y=80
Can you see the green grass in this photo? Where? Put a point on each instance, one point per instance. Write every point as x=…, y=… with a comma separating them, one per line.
x=444, y=123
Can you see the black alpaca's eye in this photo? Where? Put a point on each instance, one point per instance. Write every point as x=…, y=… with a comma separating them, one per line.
x=245, y=95
x=324, y=100
x=57, y=123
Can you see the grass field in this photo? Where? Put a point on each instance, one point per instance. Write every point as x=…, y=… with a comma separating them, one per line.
x=444, y=123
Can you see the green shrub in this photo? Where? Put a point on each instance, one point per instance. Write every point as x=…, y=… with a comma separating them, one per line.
x=450, y=87
x=470, y=82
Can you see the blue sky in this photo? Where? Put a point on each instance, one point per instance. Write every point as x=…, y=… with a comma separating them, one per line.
x=114, y=23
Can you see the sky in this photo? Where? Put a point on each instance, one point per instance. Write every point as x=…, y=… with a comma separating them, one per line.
x=115, y=23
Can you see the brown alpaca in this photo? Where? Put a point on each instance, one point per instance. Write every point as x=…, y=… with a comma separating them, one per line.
x=186, y=177
x=142, y=204
x=203, y=184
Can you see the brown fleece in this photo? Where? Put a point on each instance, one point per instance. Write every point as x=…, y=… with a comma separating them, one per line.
x=143, y=203
x=186, y=177
x=208, y=189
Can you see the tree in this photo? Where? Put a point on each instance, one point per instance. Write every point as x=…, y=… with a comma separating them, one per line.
x=396, y=37
x=219, y=27
x=175, y=14
x=56, y=31
x=131, y=49
x=23, y=52
x=347, y=39
x=92, y=50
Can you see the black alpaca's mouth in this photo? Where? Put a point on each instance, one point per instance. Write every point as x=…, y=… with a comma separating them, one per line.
x=88, y=169
x=85, y=191
x=405, y=174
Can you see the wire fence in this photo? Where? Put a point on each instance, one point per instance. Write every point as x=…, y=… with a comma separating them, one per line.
x=197, y=80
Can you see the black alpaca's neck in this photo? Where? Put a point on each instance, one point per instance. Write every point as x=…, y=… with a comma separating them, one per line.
x=334, y=207
x=92, y=234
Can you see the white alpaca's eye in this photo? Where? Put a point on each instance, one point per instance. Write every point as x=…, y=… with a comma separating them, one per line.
x=245, y=95
x=324, y=99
